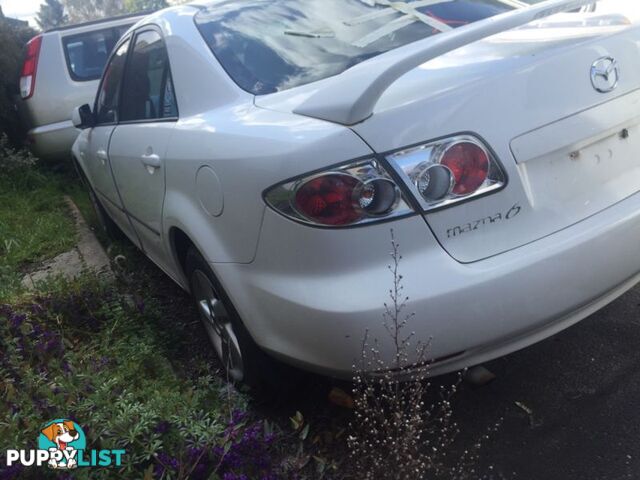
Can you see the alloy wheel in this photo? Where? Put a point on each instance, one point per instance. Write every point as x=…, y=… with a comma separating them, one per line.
x=218, y=324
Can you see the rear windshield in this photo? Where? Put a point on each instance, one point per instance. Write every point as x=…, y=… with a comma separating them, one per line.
x=87, y=53
x=272, y=45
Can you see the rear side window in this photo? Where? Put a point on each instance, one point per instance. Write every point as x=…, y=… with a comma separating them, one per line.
x=148, y=89
x=107, y=101
x=272, y=45
x=87, y=53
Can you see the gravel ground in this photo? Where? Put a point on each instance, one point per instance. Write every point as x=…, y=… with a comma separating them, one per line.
x=583, y=389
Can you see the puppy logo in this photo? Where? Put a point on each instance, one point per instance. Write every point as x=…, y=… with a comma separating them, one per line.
x=63, y=439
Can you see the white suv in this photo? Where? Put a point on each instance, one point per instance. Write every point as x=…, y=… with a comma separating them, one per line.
x=62, y=68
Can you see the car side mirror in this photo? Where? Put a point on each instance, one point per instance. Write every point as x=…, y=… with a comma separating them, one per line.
x=82, y=117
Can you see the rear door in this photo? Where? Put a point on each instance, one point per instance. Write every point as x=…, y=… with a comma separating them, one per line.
x=147, y=118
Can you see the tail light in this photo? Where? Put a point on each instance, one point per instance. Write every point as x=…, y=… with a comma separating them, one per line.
x=449, y=171
x=346, y=196
x=30, y=67
x=436, y=174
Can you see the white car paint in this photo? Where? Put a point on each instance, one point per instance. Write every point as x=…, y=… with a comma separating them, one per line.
x=308, y=295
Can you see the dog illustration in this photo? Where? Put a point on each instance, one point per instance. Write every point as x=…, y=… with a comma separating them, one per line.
x=62, y=434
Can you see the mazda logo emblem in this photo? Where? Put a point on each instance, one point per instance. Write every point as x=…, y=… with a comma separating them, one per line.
x=605, y=74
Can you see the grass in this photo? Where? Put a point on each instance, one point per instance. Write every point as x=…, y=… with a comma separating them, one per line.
x=34, y=225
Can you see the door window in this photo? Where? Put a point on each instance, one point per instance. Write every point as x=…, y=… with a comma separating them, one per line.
x=148, y=92
x=107, y=101
x=87, y=53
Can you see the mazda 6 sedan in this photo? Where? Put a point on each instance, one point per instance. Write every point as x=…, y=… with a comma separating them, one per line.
x=261, y=152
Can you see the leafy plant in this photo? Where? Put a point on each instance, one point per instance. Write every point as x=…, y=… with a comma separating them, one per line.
x=13, y=37
x=86, y=352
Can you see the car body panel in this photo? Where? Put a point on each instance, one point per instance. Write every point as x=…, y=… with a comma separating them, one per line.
x=330, y=290
x=141, y=187
x=277, y=145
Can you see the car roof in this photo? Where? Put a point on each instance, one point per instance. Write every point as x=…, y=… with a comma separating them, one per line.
x=99, y=22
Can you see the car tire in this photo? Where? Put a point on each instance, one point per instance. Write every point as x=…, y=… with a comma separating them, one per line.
x=242, y=359
x=105, y=222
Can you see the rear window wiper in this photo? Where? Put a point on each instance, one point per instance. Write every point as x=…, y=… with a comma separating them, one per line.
x=311, y=34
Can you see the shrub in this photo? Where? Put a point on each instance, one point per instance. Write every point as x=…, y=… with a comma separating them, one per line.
x=13, y=37
x=13, y=161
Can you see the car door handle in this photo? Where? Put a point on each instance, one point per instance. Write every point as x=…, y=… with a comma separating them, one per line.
x=102, y=156
x=151, y=161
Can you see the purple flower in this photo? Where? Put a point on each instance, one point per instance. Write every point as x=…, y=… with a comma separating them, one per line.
x=168, y=461
x=9, y=473
x=140, y=306
x=234, y=476
x=238, y=416
x=36, y=309
x=5, y=310
x=249, y=452
x=162, y=427
x=36, y=331
x=66, y=368
x=16, y=320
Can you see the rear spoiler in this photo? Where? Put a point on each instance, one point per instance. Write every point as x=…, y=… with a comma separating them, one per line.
x=351, y=97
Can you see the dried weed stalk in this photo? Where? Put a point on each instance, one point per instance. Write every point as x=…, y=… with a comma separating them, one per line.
x=403, y=427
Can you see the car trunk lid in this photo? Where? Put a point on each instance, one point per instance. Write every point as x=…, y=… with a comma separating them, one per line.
x=569, y=150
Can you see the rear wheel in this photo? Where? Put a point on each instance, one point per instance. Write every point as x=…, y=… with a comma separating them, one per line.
x=243, y=361
x=217, y=323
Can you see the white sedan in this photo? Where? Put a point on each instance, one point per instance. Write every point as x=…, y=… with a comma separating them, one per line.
x=260, y=152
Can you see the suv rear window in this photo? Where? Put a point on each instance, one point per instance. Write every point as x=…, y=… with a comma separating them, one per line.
x=87, y=53
x=272, y=45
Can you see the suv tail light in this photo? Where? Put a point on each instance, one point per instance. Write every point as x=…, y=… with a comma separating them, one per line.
x=449, y=171
x=344, y=196
x=30, y=67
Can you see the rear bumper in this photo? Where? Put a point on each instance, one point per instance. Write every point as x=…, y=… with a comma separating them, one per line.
x=310, y=295
x=53, y=141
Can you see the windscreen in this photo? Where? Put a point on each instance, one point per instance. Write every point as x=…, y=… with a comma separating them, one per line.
x=272, y=45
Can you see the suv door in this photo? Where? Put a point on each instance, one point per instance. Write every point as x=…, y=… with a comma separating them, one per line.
x=98, y=164
x=148, y=115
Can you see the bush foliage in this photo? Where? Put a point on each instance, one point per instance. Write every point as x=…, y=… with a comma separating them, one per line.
x=86, y=352
x=13, y=36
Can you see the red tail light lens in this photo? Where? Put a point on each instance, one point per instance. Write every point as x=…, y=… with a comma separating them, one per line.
x=469, y=164
x=351, y=195
x=328, y=199
x=30, y=67
x=448, y=171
